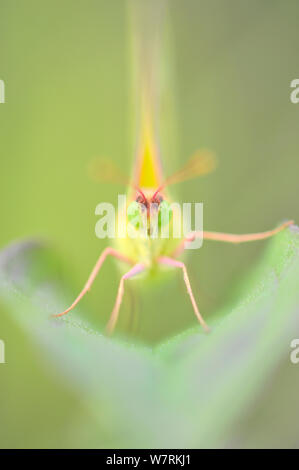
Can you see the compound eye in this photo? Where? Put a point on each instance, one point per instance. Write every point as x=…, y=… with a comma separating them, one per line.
x=165, y=214
x=139, y=198
x=158, y=199
x=134, y=214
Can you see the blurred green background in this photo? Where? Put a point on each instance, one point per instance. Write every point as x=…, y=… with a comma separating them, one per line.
x=67, y=72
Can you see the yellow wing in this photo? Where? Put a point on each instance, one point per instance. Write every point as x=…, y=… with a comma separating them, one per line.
x=200, y=163
x=105, y=170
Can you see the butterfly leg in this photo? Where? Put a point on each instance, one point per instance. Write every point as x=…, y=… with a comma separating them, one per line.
x=138, y=268
x=231, y=238
x=108, y=251
x=178, y=264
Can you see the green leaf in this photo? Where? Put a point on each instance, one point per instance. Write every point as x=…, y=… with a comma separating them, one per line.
x=234, y=387
x=100, y=370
